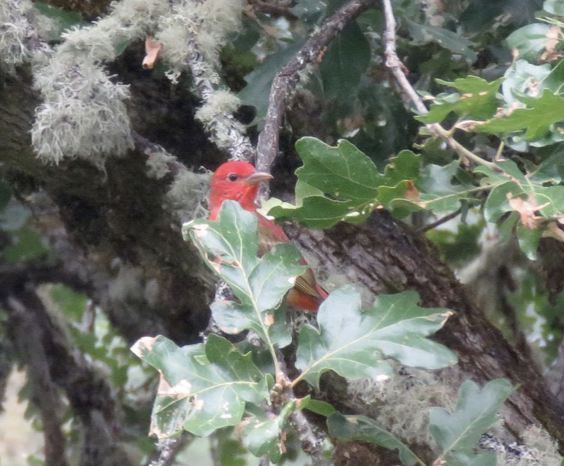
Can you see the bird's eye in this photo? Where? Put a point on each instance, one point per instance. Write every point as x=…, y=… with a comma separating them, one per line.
x=232, y=177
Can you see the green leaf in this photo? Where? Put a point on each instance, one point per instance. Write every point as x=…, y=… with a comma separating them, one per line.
x=457, y=433
x=437, y=193
x=27, y=245
x=264, y=433
x=355, y=344
x=529, y=239
x=317, y=406
x=344, y=62
x=65, y=19
x=347, y=177
x=367, y=430
x=319, y=212
x=405, y=166
x=342, y=171
x=456, y=43
x=203, y=387
x=72, y=303
x=536, y=118
x=529, y=41
x=229, y=247
x=554, y=7
x=477, y=99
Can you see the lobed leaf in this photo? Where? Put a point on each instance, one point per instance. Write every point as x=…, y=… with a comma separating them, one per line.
x=203, y=387
x=367, y=430
x=458, y=433
x=355, y=344
x=477, y=99
x=229, y=247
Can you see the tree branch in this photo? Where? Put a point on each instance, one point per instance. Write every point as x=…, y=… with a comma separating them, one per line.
x=51, y=358
x=288, y=77
x=398, y=70
x=27, y=336
x=385, y=256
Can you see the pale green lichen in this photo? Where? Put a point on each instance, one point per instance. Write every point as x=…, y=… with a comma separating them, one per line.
x=84, y=113
x=157, y=165
x=402, y=402
x=220, y=103
x=204, y=23
x=188, y=195
x=539, y=449
x=15, y=31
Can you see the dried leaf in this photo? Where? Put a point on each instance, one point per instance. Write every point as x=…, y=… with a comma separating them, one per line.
x=552, y=39
x=152, y=51
x=527, y=210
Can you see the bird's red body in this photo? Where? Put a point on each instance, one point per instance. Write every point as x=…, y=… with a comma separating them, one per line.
x=239, y=181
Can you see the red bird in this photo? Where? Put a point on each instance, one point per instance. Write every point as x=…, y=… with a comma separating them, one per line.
x=239, y=181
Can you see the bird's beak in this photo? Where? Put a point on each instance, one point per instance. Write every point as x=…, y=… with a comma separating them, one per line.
x=256, y=177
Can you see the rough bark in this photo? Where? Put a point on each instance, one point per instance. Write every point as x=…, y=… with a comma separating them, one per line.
x=387, y=256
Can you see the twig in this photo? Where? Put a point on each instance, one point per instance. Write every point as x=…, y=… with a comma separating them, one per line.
x=169, y=448
x=311, y=443
x=440, y=221
x=398, y=70
x=287, y=78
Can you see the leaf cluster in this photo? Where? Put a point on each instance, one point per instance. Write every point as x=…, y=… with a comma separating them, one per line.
x=218, y=383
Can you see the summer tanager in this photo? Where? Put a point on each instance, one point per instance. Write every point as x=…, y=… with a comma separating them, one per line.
x=239, y=181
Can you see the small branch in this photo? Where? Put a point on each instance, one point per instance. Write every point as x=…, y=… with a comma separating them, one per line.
x=311, y=443
x=399, y=71
x=169, y=448
x=288, y=77
x=440, y=221
x=148, y=148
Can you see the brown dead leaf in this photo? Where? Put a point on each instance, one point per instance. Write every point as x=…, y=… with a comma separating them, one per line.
x=152, y=51
x=527, y=210
x=552, y=39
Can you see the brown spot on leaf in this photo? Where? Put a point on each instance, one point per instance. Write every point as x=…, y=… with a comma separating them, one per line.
x=411, y=193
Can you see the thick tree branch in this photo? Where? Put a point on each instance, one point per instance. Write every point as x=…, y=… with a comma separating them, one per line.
x=53, y=359
x=27, y=336
x=288, y=77
x=385, y=256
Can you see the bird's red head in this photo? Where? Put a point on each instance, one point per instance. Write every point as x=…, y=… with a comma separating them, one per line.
x=236, y=181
